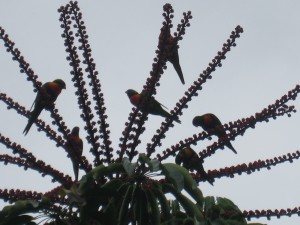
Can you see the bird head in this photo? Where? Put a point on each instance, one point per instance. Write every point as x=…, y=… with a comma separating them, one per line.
x=198, y=121
x=131, y=92
x=75, y=131
x=187, y=156
x=61, y=83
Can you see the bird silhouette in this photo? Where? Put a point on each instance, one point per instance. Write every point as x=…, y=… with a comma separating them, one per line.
x=45, y=98
x=171, y=48
x=75, y=147
x=210, y=123
x=191, y=161
x=153, y=107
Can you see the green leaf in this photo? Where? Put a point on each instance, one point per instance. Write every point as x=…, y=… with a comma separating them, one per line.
x=87, y=181
x=230, y=210
x=174, y=174
x=17, y=220
x=73, y=194
x=141, y=207
x=108, y=214
x=111, y=187
x=226, y=204
x=109, y=170
x=20, y=207
x=155, y=212
x=143, y=158
x=122, y=218
x=153, y=164
x=128, y=166
x=181, y=178
x=110, y=193
x=209, y=201
x=189, y=207
x=14, y=212
x=164, y=205
x=175, y=206
x=210, y=209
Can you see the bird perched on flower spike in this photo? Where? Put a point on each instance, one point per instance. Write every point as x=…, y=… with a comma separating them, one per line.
x=75, y=147
x=45, y=98
x=191, y=161
x=172, y=54
x=210, y=123
x=153, y=107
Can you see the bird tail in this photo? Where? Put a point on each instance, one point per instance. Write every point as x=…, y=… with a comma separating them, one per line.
x=33, y=117
x=75, y=158
x=203, y=174
x=166, y=114
x=176, y=119
x=76, y=169
x=174, y=59
x=229, y=145
x=210, y=180
x=177, y=67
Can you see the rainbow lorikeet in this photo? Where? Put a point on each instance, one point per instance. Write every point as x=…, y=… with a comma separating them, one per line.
x=210, y=123
x=75, y=147
x=153, y=107
x=171, y=48
x=45, y=98
x=173, y=56
x=191, y=161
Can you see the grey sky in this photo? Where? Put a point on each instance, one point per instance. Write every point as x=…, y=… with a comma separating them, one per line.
x=123, y=37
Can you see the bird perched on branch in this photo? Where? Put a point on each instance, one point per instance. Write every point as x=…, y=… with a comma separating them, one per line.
x=171, y=48
x=45, y=98
x=173, y=56
x=75, y=147
x=153, y=107
x=210, y=123
x=191, y=161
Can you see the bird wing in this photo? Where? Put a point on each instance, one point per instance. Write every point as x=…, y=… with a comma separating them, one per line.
x=216, y=120
x=163, y=106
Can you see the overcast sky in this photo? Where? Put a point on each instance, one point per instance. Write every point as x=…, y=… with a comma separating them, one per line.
x=124, y=37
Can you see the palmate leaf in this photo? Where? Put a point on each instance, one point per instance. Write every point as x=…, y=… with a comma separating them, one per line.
x=141, y=213
x=129, y=166
x=182, y=179
x=189, y=207
x=91, y=195
x=154, y=164
x=155, y=212
x=164, y=204
x=18, y=220
x=222, y=211
x=20, y=207
x=88, y=180
x=122, y=217
x=174, y=174
x=230, y=210
x=14, y=214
